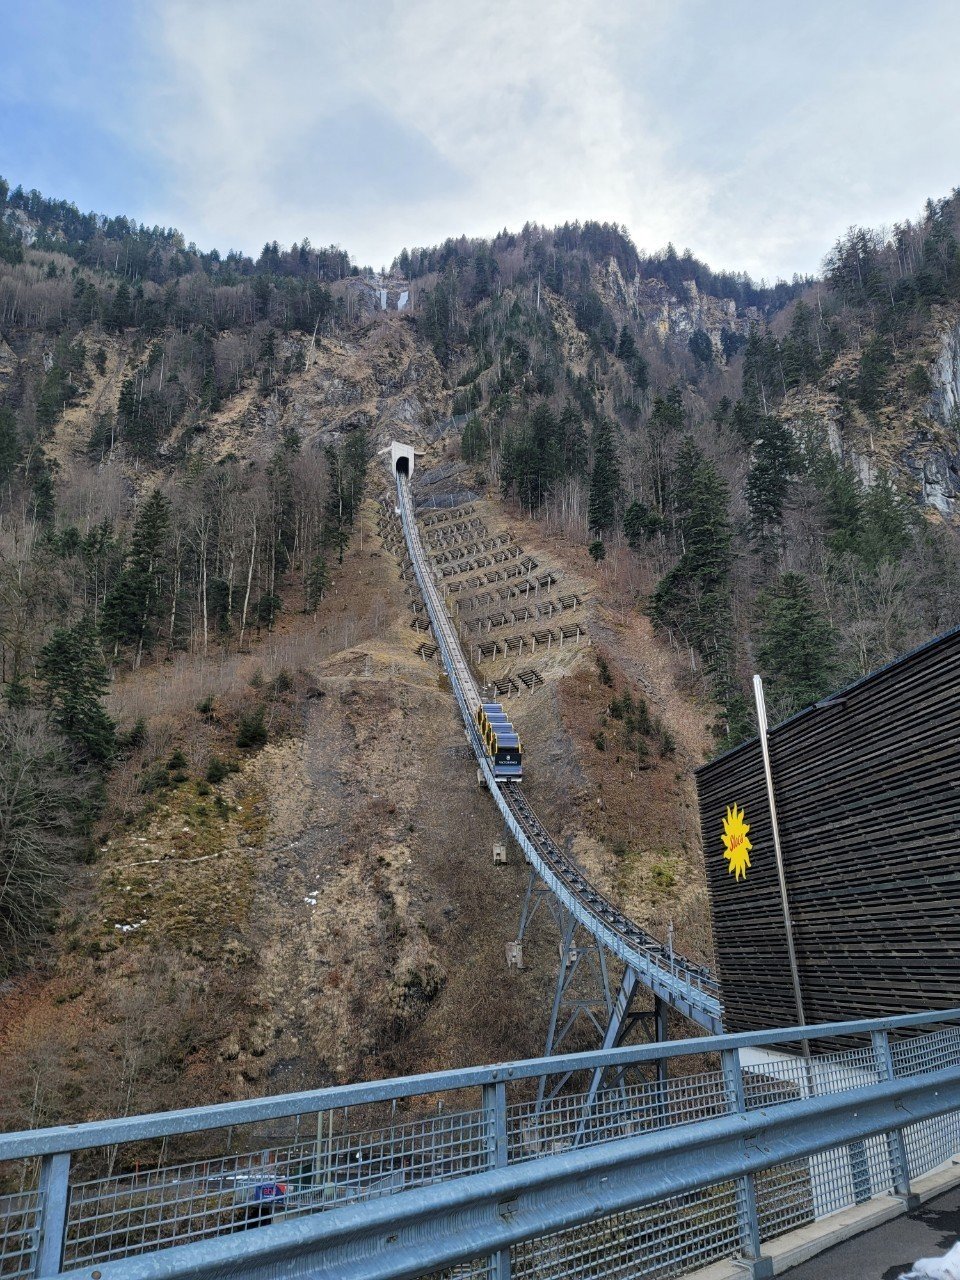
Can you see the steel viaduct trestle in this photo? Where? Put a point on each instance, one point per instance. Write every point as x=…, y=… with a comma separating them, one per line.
x=579, y=907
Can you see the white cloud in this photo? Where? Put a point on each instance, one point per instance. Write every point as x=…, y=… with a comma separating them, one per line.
x=749, y=132
x=509, y=113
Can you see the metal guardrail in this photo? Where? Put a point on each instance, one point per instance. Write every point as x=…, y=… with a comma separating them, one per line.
x=663, y=1172
x=687, y=987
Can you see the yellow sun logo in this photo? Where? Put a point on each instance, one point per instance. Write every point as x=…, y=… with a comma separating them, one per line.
x=736, y=846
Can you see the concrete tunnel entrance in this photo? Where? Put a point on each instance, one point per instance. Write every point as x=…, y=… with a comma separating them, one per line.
x=402, y=459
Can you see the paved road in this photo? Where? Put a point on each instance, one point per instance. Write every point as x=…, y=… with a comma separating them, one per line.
x=888, y=1251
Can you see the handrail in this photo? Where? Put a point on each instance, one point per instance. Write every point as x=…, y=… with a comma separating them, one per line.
x=481, y=1215
x=98, y=1133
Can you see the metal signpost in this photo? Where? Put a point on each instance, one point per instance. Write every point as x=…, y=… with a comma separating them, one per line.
x=771, y=797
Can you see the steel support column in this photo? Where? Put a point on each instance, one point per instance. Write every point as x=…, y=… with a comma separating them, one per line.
x=760, y=1267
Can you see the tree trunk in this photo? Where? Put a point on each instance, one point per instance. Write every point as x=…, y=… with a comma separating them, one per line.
x=246, y=598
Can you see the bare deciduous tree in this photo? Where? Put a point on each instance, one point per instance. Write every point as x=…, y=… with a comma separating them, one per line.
x=41, y=794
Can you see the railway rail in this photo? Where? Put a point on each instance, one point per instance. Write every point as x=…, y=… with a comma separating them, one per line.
x=689, y=988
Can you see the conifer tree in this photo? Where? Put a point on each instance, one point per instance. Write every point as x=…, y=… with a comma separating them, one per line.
x=801, y=361
x=694, y=597
x=318, y=581
x=772, y=468
x=701, y=346
x=132, y=609
x=886, y=522
x=604, y=480
x=640, y=524
x=356, y=459
x=118, y=317
x=576, y=450
x=474, y=445
x=626, y=347
x=73, y=677
x=796, y=649
x=10, y=449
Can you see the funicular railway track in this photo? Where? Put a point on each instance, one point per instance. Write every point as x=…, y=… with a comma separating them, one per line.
x=689, y=988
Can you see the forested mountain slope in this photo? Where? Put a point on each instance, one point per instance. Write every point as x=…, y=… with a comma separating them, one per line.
x=227, y=858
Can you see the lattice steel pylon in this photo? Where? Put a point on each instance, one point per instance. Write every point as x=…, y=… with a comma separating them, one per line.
x=584, y=992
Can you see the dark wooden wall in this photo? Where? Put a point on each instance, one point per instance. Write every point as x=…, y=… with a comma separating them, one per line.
x=868, y=797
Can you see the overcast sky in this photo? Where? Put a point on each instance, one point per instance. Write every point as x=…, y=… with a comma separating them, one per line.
x=752, y=131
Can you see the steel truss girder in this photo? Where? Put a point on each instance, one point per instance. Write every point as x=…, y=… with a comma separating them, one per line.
x=583, y=991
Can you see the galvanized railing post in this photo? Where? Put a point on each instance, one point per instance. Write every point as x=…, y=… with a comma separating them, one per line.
x=896, y=1146
x=495, y=1112
x=747, y=1214
x=54, y=1201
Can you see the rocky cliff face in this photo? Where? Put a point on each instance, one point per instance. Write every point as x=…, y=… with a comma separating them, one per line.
x=916, y=443
x=941, y=466
x=379, y=377
x=668, y=315
x=945, y=401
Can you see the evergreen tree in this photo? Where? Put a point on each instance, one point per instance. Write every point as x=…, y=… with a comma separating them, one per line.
x=118, y=316
x=134, y=606
x=356, y=459
x=875, y=363
x=701, y=346
x=640, y=524
x=533, y=457
x=681, y=488
x=796, y=648
x=73, y=677
x=694, y=597
x=760, y=364
x=626, y=347
x=334, y=534
x=604, y=480
x=885, y=523
x=10, y=449
x=40, y=474
x=318, y=581
x=772, y=468
x=576, y=448
x=474, y=444
x=801, y=362
x=841, y=502
x=640, y=372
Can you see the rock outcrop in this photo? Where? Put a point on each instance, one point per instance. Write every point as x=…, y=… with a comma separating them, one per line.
x=679, y=317
x=945, y=400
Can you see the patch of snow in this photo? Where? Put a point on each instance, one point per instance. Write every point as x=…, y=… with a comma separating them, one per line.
x=129, y=928
x=945, y=1268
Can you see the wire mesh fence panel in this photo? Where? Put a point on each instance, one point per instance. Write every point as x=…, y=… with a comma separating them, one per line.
x=792, y=1195
x=931, y=1143
x=130, y=1213
x=535, y=1129
x=784, y=1198
x=924, y=1053
x=19, y=1233
x=663, y=1239
x=445, y=1145
x=268, y=1168
x=478, y=1269
x=851, y=1174
x=782, y=1079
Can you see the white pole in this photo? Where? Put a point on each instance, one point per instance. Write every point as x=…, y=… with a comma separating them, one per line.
x=771, y=798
